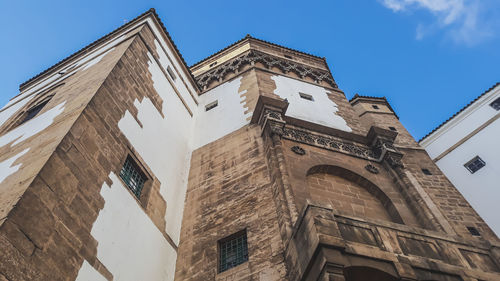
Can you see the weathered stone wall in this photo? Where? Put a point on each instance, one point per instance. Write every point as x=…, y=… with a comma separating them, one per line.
x=36, y=243
x=346, y=196
x=447, y=198
x=229, y=190
x=48, y=235
x=354, y=169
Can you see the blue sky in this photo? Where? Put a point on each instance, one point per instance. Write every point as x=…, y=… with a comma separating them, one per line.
x=428, y=57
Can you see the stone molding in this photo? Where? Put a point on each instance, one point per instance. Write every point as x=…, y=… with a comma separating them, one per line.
x=269, y=114
x=269, y=61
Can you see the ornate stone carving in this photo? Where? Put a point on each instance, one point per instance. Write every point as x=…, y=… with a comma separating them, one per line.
x=268, y=61
x=298, y=150
x=394, y=160
x=372, y=169
x=269, y=113
x=329, y=143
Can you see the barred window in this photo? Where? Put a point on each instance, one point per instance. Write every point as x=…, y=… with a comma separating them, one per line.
x=233, y=251
x=133, y=177
x=475, y=164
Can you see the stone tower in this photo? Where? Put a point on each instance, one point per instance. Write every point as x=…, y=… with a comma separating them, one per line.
x=122, y=163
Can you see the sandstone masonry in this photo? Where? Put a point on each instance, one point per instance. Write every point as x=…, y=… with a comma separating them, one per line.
x=138, y=167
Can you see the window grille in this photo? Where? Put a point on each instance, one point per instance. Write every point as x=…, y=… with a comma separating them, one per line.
x=133, y=176
x=475, y=164
x=233, y=251
x=496, y=104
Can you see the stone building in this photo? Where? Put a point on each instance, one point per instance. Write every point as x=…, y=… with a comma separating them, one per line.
x=120, y=162
x=465, y=148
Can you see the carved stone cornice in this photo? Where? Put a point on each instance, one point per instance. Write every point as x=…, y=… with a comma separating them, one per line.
x=269, y=113
x=269, y=61
x=330, y=143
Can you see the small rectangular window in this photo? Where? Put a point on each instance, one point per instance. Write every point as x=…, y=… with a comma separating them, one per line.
x=475, y=164
x=233, y=251
x=32, y=112
x=213, y=64
x=171, y=73
x=133, y=177
x=473, y=231
x=393, y=129
x=426, y=171
x=211, y=105
x=375, y=106
x=306, y=97
x=496, y=104
x=288, y=57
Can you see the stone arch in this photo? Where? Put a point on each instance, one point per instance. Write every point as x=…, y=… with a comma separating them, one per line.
x=363, y=273
x=350, y=193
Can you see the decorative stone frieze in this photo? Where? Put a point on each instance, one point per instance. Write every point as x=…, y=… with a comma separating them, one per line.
x=269, y=61
x=329, y=143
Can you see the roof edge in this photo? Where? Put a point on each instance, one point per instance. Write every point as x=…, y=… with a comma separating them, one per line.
x=458, y=112
x=382, y=99
x=248, y=37
x=87, y=48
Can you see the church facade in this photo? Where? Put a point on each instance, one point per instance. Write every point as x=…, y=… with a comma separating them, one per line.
x=120, y=162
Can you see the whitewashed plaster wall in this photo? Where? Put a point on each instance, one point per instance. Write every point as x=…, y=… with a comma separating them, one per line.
x=321, y=111
x=130, y=245
x=164, y=143
x=228, y=116
x=461, y=125
x=481, y=189
x=88, y=273
x=32, y=127
x=8, y=168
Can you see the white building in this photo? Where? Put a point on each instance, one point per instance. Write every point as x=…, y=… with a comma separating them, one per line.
x=466, y=149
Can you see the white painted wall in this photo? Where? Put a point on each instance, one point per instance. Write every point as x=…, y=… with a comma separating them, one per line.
x=481, y=189
x=7, y=168
x=321, y=111
x=228, y=116
x=32, y=127
x=88, y=273
x=130, y=245
x=461, y=125
x=164, y=143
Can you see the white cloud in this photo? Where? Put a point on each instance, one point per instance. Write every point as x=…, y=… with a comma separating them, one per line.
x=459, y=18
